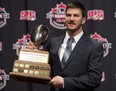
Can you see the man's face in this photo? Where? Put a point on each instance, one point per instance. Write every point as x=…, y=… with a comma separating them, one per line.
x=74, y=19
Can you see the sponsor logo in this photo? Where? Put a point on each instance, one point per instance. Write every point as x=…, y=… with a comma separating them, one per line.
x=3, y=78
x=95, y=14
x=0, y=46
x=28, y=15
x=57, y=16
x=3, y=17
x=105, y=43
x=21, y=43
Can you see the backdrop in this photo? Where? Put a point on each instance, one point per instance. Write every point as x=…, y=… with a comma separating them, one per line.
x=19, y=17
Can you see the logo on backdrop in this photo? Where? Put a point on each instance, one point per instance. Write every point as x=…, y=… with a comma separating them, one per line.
x=21, y=43
x=0, y=46
x=57, y=16
x=103, y=76
x=3, y=17
x=3, y=78
x=28, y=15
x=95, y=14
x=105, y=43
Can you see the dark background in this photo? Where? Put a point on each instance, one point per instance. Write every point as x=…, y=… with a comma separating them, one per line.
x=15, y=29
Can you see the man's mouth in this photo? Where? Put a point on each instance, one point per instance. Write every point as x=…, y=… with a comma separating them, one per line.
x=71, y=23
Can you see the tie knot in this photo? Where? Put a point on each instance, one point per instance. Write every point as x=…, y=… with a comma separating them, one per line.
x=70, y=40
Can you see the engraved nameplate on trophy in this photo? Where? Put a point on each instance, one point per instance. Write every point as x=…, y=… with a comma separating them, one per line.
x=33, y=65
x=34, y=55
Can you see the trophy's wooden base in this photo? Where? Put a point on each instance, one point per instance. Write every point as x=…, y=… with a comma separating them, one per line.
x=28, y=78
x=31, y=72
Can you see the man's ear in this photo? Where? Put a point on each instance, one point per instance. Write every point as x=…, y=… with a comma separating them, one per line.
x=83, y=20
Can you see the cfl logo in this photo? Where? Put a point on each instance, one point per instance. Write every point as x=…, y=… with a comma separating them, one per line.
x=28, y=15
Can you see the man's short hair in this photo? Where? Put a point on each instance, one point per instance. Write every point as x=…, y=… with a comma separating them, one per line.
x=76, y=4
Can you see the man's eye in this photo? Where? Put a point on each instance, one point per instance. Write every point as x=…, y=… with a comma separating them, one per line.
x=76, y=15
x=68, y=15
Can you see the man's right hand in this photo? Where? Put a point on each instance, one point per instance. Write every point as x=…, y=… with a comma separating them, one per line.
x=31, y=45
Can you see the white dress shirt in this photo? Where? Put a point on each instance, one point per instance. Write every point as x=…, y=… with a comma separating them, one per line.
x=64, y=44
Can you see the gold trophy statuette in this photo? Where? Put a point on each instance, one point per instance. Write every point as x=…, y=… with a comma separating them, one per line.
x=33, y=65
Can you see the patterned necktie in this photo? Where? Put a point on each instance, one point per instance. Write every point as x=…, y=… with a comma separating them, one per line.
x=67, y=51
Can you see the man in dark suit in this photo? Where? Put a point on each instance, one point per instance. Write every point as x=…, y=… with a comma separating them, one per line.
x=82, y=71
x=83, y=68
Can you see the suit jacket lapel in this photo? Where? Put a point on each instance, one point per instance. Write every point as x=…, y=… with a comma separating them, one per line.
x=55, y=51
x=79, y=47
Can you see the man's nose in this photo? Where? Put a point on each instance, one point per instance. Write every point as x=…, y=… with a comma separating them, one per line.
x=72, y=17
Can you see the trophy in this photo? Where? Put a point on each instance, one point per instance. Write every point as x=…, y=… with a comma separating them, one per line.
x=33, y=65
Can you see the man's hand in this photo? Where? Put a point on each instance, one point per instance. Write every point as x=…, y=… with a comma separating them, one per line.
x=57, y=82
x=30, y=45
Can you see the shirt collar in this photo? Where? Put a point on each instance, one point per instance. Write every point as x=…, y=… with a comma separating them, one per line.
x=76, y=38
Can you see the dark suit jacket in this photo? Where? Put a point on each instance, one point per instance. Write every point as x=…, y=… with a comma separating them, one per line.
x=83, y=70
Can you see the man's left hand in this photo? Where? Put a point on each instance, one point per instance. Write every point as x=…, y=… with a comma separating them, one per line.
x=57, y=82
